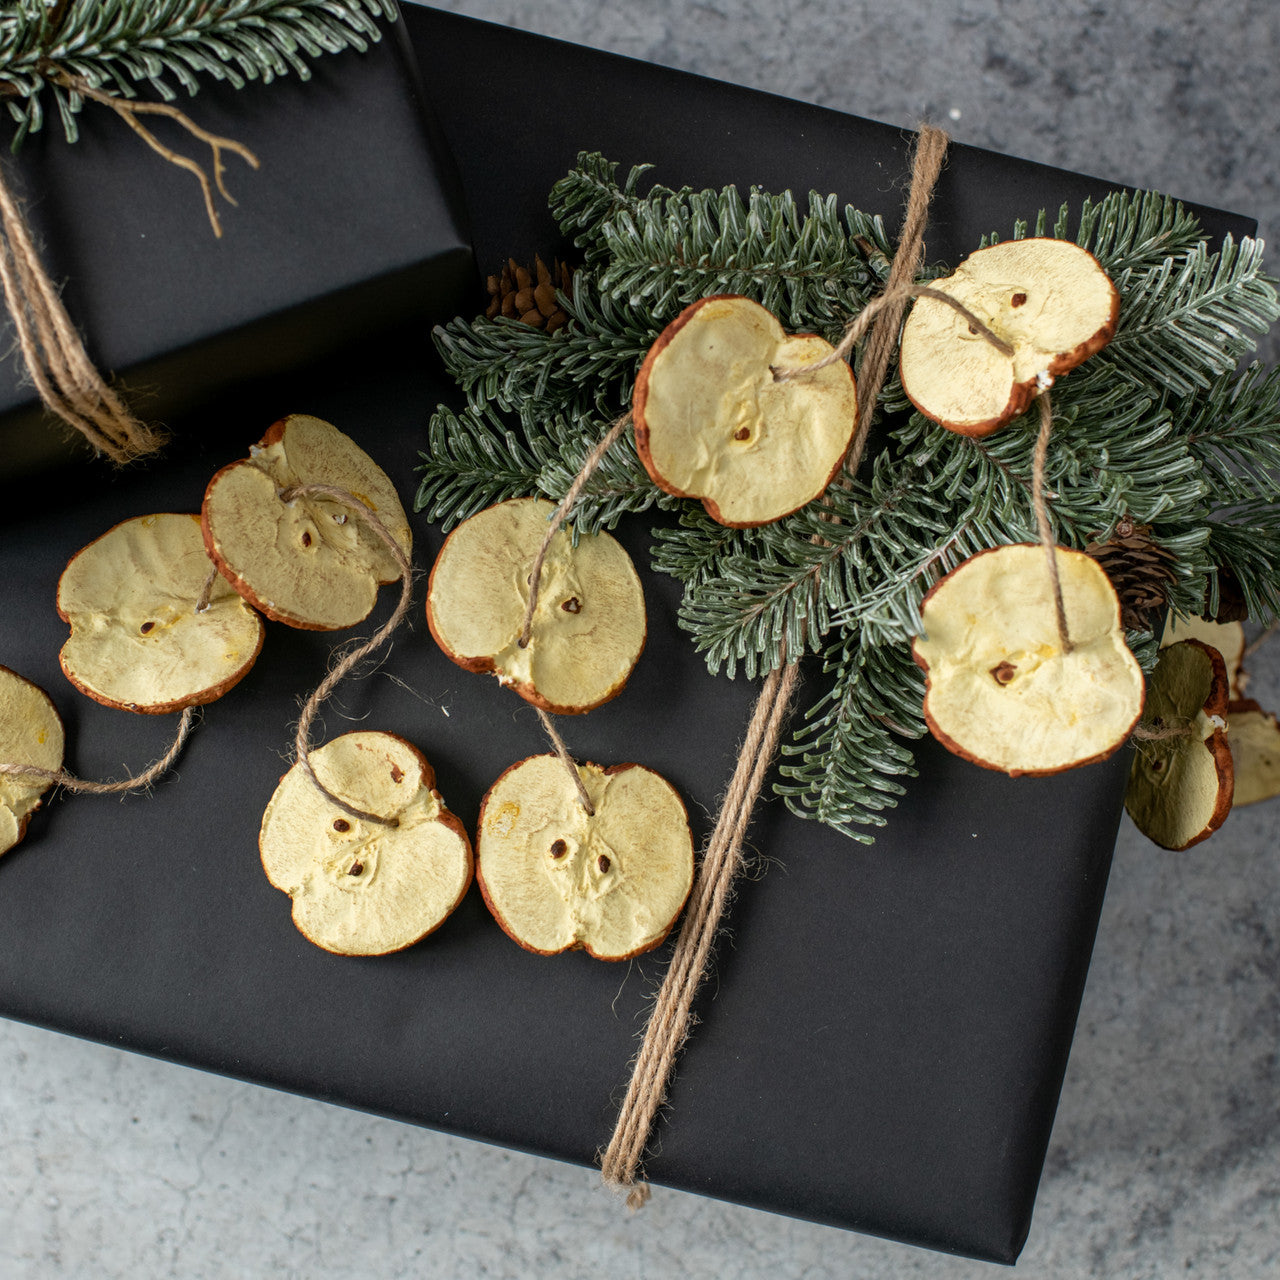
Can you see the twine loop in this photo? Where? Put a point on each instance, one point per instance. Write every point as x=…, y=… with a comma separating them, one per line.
x=343, y=667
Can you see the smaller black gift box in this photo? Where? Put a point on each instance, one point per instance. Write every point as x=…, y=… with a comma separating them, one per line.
x=350, y=228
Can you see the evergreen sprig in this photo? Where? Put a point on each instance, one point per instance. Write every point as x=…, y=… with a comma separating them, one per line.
x=849, y=744
x=476, y=460
x=1158, y=427
x=121, y=46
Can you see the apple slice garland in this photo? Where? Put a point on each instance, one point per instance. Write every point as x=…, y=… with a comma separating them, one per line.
x=356, y=833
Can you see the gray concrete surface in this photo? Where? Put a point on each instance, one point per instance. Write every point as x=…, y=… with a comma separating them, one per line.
x=1166, y=1154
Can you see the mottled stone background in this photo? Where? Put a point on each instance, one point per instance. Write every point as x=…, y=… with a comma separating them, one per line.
x=1166, y=1155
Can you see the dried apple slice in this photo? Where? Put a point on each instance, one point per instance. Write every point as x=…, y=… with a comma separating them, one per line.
x=1226, y=637
x=137, y=642
x=1181, y=786
x=557, y=879
x=361, y=888
x=712, y=421
x=1254, y=739
x=31, y=734
x=589, y=624
x=1048, y=299
x=308, y=562
x=1000, y=690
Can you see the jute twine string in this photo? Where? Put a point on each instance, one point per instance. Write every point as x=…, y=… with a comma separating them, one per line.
x=137, y=783
x=206, y=592
x=1042, y=516
x=859, y=325
x=669, y=1021
x=63, y=375
x=343, y=667
x=66, y=380
x=568, y=761
x=1158, y=730
x=592, y=461
x=931, y=150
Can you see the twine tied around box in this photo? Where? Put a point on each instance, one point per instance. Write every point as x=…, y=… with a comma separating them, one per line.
x=669, y=1022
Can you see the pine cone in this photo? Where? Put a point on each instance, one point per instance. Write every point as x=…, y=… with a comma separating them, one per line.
x=1140, y=569
x=514, y=293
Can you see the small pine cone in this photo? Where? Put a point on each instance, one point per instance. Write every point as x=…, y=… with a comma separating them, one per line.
x=530, y=297
x=1140, y=569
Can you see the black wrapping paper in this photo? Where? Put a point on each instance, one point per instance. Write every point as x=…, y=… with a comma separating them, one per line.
x=883, y=1041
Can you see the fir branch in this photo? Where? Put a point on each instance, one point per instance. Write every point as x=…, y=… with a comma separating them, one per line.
x=588, y=197
x=1233, y=431
x=618, y=486
x=121, y=46
x=697, y=550
x=849, y=761
x=810, y=269
x=1129, y=230
x=1247, y=542
x=475, y=459
x=1118, y=454
x=1187, y=315
x=803, y=574
x=1190, y=319
x=509, y=363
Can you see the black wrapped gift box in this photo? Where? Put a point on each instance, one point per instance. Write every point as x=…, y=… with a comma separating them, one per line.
x=350, y=227
x=884, y=1040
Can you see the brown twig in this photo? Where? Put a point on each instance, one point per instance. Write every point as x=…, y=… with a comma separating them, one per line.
x=129, y=110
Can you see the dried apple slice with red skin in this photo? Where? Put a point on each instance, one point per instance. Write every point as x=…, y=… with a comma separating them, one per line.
x=30, y=733
x=1181, y=787
x=1254, y=738
x=557, y=879
x=713, y=422
x=588, y=627
x=1048, y=299
x=137, y=642
x=310, y=563
x=1000, y=691
x=362, y=888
